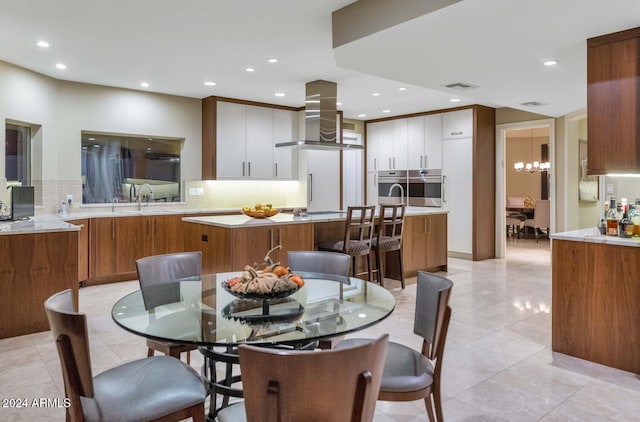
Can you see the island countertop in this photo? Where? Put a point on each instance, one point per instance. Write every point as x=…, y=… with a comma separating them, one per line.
x=241, y=220
x=592, y=235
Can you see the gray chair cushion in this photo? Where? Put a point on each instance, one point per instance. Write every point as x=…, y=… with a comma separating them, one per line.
x=405, y=369
x=233, y=413
x=386, y=242
x=352, y=246
x=143, y=390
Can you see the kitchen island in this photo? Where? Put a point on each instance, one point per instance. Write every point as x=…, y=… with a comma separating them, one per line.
x=39, y=258
x=229, y=242
x=595, y=297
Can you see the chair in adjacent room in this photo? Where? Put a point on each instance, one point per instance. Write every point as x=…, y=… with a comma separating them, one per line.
x=358, y=232
x=293, y=385
x=158, y=269
x=389, y=239
x=514, y=225
x=410, y=374
x=158, y=388
x=334, y=263
x=541, y=218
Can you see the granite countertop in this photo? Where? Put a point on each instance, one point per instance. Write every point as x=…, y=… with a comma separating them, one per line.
x=592, y=235
x=38, y=224
x=240, y=220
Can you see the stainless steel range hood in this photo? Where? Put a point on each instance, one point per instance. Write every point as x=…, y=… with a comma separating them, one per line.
x=320, y=117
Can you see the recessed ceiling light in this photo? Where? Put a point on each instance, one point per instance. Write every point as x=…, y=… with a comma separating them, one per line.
x=455, y=100
x=209, y=83
x=250, y=69
x=43, y=44
x=92, y=139
x=376, y=94
x=386, y=111
x=273, y=60
x=402, y=88
x=362, y=115
x=61, y=66
x=338, y=103
x=550, y=63
x=144, y=84
x=279, y=94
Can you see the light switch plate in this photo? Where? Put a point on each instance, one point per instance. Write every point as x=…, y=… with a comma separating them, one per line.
x=69, y=199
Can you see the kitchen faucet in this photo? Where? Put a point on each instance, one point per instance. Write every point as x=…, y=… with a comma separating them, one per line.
x=114, y=201
x=398, y=185
x=146, y=197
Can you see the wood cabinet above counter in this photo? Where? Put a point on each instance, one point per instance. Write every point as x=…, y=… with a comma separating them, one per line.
x=613, y=110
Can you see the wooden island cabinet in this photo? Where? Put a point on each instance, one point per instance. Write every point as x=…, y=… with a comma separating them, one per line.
x=595, y=294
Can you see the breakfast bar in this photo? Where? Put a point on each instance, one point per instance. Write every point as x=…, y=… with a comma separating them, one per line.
x=596, y=289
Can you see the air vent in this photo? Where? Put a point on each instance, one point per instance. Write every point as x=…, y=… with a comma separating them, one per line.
x=461, y=86
x=348, y=126
x=532, y=104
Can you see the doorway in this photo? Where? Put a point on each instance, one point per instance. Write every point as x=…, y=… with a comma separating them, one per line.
x=526, y=130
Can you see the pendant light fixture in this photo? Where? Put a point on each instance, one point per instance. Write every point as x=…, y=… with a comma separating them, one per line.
x=534, y=167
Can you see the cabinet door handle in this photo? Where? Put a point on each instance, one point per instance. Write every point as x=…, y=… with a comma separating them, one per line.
x=243, y=167
x=375, y=179
x=113, y=229
x=276, y=164
x=390, y=164
x=375, y=164
x=310, y=187
x=394, y=163
x=444, y=189
x=249, y=169
x=421, y=162
x=456, y=133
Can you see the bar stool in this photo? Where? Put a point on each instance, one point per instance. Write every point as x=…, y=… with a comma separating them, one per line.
x=389, y=238
x=358, y=233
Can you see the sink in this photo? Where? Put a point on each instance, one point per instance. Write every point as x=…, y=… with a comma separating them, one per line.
x=325, y=212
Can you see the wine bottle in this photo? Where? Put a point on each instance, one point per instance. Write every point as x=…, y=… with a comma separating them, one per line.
x=612, y=219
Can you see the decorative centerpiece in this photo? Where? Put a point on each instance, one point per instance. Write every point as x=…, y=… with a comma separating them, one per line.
x=268, y=280
x=260, y=211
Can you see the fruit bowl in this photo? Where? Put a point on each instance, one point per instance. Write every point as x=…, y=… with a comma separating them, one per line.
x=260, y=213
x=260, y=296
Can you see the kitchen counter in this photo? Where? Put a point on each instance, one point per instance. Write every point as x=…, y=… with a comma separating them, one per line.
x=592, y=235
x=241, y=220
x=38, y=224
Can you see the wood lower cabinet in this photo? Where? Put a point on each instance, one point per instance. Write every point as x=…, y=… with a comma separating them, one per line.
x=83, y=248
x=424, y=243
x=214, y=243
x=167, y=234
x=595, y=294
x=34, y=266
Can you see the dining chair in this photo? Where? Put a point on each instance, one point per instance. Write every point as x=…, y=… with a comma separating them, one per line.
x=158, y=388
x=356, y=241
x=162, y=269
x=293, y=385
x=334, y=263
x=389, y=239
x=541, y=218
x=410, y=374
x=514, y=225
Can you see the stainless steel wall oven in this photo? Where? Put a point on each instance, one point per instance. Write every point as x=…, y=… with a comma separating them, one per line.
x=425, y=188
x=392, y=187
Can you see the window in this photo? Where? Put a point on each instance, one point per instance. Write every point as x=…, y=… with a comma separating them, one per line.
x=125, y=166
x=17, y=159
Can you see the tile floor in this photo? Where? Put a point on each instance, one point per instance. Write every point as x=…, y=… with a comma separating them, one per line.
x=498, y=363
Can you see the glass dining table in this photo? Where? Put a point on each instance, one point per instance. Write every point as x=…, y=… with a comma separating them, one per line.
x=201, y=312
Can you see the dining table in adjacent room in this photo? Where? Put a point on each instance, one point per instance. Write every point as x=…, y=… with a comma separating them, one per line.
x=202, y=311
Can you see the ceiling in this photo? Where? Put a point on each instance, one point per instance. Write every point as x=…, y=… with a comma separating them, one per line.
x=176, y=46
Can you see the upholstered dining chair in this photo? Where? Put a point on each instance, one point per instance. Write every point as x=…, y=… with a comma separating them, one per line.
x=334, y=263
x=410, y=374
x=541, y=218
x=389, y=238
x=158, y=388
x=293, y=385
x=160, y=269
x=356, y=241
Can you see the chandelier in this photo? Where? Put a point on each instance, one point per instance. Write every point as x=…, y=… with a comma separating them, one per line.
x=534, y=167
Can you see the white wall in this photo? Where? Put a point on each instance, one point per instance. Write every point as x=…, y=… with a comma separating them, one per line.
x=64, y=109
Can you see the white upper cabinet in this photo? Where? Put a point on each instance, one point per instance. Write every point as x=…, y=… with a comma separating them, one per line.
x=457, y=124
x=245, y=142
x=259, y=153
x=415, y=143
x=231, y=134
x=387, y=145
x=432, y=141
x=285, y=129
